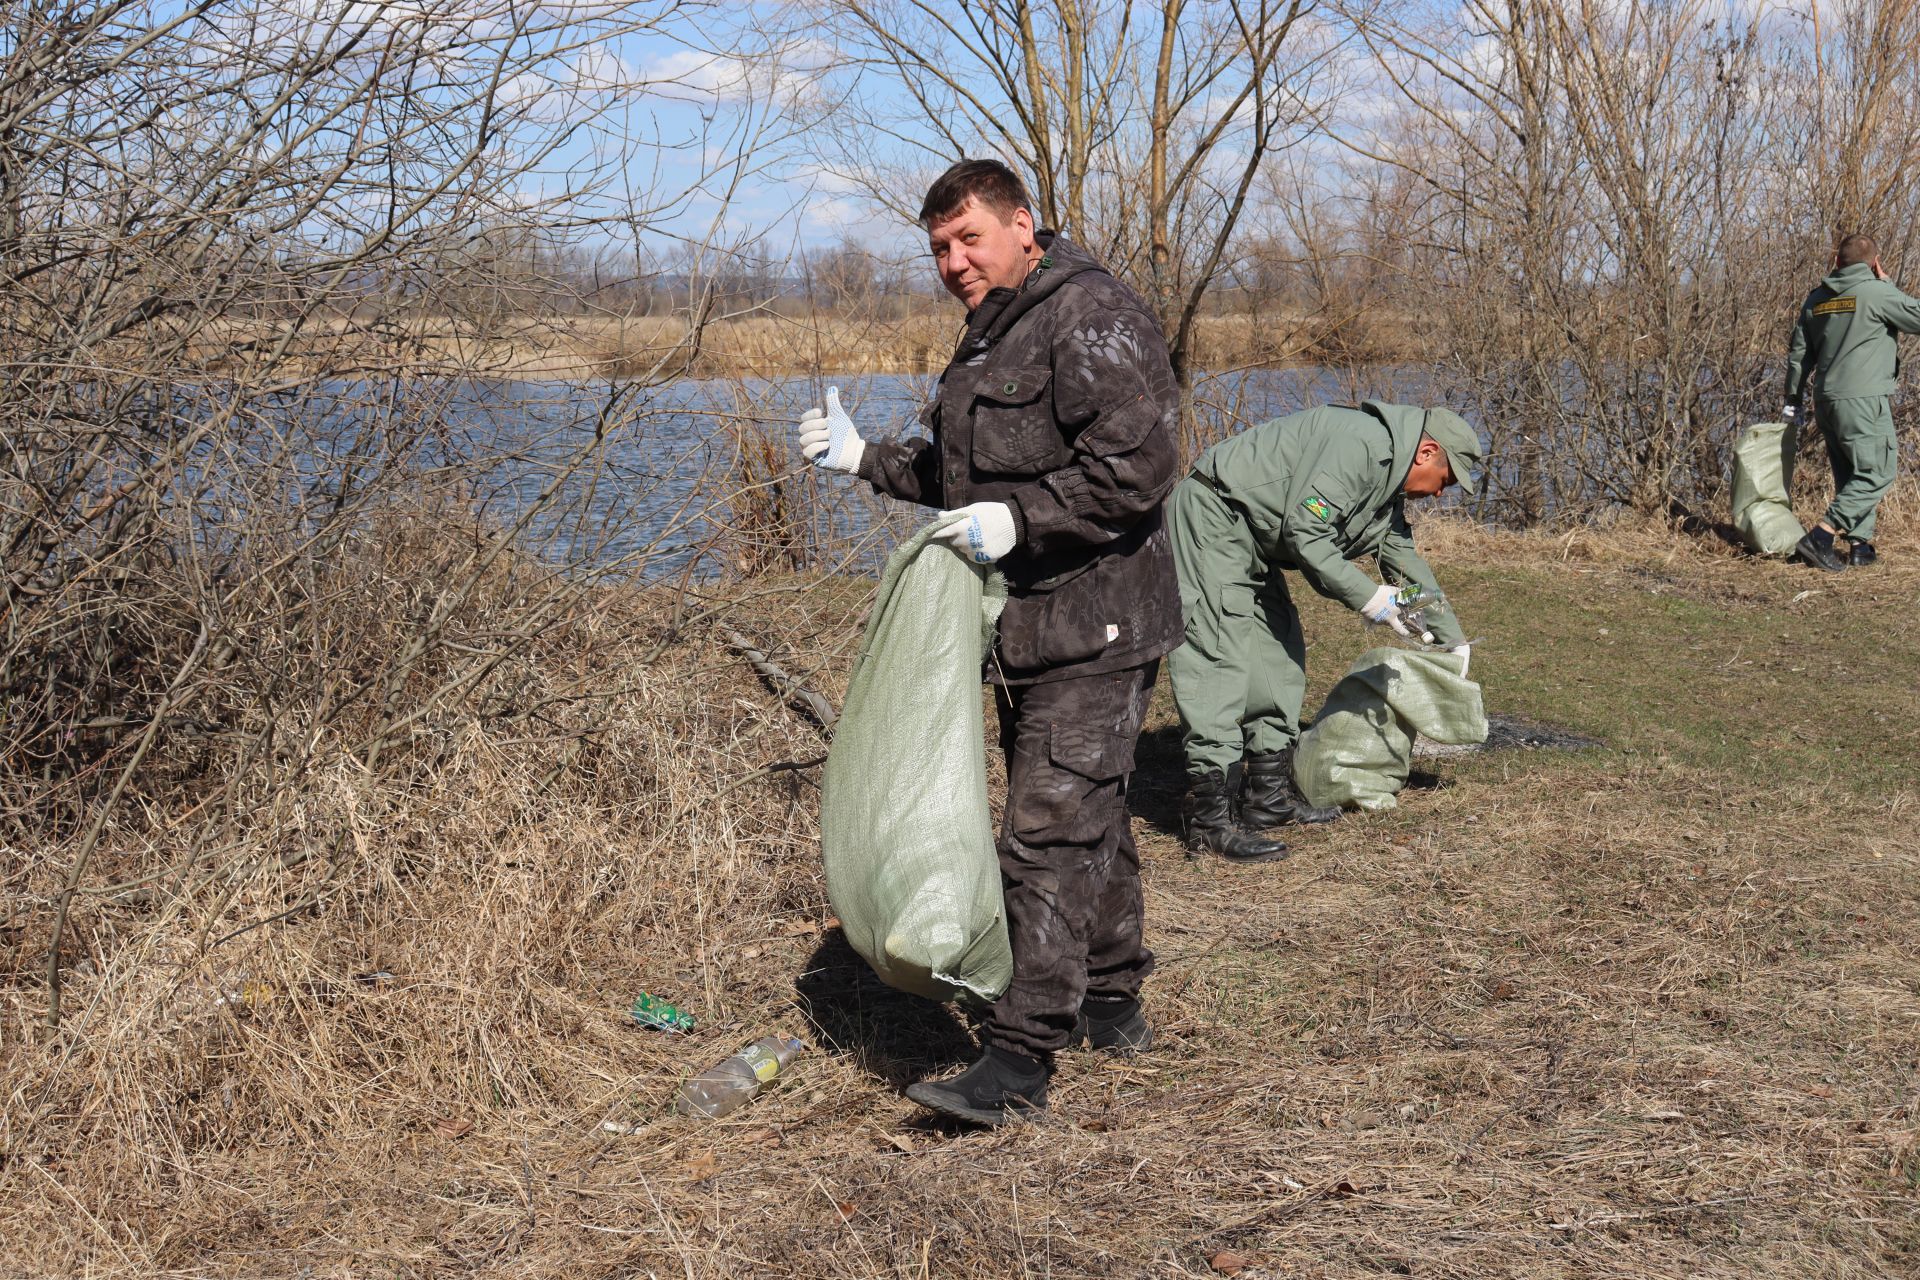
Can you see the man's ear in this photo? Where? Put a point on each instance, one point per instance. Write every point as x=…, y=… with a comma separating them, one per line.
x=1023, y=223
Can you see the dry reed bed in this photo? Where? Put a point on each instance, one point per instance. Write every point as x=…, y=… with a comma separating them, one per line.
x=1607, y=1015
x=768, y=343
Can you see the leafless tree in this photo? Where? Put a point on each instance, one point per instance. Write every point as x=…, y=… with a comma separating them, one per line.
x=268, y=550
x=1577, y=173
x=1144, y=128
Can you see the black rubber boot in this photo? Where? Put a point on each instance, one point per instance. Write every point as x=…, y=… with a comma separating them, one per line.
x=1861, y=554
x=1001, y=1086
x=1117, y=1026
x=1272, y=799
x=1816, y=549
x=1208, y=815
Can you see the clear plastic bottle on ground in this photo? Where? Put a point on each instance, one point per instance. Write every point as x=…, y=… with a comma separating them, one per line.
x=725, y=1087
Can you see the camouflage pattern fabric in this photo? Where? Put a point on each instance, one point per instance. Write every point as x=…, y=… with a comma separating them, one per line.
x=1067, y=859
x=1059, y=402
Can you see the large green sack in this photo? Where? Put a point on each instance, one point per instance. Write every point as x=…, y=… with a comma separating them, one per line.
x=1762, y=475
x=1360, y=749
x=904, y=825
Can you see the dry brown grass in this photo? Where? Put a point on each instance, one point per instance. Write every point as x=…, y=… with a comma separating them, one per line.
x=766, y=344
x=1637, y=1012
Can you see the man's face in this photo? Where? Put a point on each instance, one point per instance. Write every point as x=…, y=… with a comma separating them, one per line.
x=1430, y=472
x=976, y=251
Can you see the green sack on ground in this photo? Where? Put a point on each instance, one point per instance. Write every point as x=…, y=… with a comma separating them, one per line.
x=1360, y=749
x=1762, y=475
x=904, y=825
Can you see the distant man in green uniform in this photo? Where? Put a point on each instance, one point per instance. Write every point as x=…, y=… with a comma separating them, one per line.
x=1845, y=349
x=1312, y=492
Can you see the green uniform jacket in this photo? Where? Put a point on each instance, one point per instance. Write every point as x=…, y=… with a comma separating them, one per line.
x=1321, y=489
x=1843, y=341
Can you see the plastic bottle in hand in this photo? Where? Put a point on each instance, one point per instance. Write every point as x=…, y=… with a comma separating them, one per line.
x=724, y=1088
x=1418, y=607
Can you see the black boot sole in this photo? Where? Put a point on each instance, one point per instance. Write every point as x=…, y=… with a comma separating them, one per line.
x=1201, y=851
x=952, y=1105
x=1266, y=819
x=1123, y=1040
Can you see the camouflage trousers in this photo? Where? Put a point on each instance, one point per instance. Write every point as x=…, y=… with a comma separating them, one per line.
x=1067, y=858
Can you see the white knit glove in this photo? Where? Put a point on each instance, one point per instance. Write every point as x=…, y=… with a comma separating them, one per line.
x=1464, y=652
x=981, y=531
x=1380, y=608
x=828, y=438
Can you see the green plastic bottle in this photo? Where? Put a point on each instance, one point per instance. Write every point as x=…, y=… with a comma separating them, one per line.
x=651, y=1011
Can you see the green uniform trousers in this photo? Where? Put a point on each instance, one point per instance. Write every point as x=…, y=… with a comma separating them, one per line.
x=1240, y=674
x=1862, y=449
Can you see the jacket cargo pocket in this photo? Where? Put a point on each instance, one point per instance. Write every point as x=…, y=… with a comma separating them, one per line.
x=1013, y=428
x=1055, y=627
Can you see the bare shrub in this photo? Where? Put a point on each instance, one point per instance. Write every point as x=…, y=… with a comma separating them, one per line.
x=270, y=555
x=1609, y=213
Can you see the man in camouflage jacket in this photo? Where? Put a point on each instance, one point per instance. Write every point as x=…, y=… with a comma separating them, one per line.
x=1051, y=448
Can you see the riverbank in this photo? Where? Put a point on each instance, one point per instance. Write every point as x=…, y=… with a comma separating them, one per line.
x=1647, y=1009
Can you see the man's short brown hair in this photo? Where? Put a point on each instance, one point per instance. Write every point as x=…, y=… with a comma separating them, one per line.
x=988, y=181
x=1855, y=249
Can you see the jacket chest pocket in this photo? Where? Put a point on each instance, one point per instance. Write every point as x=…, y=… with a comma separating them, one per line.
x=1013, y=428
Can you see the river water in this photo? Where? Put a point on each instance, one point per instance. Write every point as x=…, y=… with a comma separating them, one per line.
x=701, y=477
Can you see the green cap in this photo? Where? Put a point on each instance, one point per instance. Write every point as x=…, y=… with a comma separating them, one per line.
x=1451, y=432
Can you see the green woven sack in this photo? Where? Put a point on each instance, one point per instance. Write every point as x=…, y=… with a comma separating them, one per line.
x=904, y=825
x=1762, y=475
x=1360, y=749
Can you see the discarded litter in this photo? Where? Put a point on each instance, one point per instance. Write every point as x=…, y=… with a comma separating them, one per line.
x=651, y=1011
x=727, y=1086
x=1419, y=608
x=245, y=991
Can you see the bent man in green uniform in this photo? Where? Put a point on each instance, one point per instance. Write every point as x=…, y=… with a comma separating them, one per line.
x=1845, y=349
x=1311, y=492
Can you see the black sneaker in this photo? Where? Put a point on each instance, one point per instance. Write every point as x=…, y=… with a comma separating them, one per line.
x=1816, y=549
x=1117, y=1026
x=1861, y=554
x=1001, y=1086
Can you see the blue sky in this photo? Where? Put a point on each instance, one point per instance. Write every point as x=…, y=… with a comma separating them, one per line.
x=714, y=132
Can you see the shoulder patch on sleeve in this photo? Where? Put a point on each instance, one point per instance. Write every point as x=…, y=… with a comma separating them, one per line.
x=1834, y=306
x=1318, y=507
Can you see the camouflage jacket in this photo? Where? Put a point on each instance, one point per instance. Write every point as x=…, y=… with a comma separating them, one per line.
x=1059, y=402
